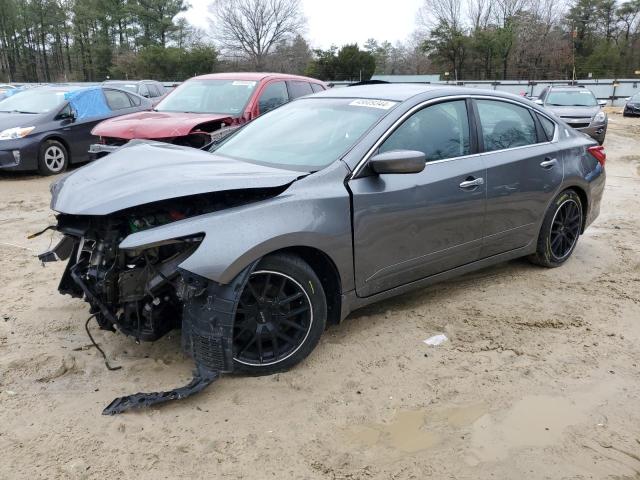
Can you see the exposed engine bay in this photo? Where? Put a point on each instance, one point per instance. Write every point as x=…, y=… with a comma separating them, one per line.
x=144, y=294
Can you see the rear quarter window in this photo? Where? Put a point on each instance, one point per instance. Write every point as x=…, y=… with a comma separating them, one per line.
x=548, y=127
x=299, y=89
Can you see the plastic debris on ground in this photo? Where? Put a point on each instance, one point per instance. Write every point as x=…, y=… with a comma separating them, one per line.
x=436, y=340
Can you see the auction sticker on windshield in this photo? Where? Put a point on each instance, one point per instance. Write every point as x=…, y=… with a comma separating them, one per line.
x=244, y=83
x=382, y=104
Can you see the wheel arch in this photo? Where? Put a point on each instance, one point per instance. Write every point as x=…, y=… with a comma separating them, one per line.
x=328, y=274
x=64, y=143
x=584, y=200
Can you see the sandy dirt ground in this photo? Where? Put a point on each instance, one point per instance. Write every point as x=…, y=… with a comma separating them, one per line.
x=540, y=378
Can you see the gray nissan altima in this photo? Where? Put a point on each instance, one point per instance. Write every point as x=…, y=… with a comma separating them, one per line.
x=313, y=210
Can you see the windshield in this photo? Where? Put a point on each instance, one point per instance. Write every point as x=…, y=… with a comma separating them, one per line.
x=33, y=101
x=325, y=129
x=577, y=98
x=209, y=96
x=636, y=97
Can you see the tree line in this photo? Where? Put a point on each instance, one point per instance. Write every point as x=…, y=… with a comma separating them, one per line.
x=533, y=39
x=92, y=40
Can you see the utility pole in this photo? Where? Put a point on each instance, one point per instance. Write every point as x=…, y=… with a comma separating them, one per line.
x=574, y=34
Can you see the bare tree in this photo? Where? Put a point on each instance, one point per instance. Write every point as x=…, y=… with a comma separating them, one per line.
x=254, y=27
x=443, y=12
x=479, y=12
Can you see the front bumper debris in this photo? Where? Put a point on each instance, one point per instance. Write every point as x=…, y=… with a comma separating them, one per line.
x=201, y=379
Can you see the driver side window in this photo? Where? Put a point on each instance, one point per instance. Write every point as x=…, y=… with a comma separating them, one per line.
x=439, y=131
x=273, y=96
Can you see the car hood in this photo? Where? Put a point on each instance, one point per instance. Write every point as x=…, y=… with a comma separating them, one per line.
x=574, y=112
x=149, y=172
x=150, y=125
x=12, y=120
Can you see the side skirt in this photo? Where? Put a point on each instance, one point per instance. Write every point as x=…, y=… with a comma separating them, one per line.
x=351, y=302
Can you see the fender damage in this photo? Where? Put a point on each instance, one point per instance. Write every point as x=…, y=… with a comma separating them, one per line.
x=144, y=292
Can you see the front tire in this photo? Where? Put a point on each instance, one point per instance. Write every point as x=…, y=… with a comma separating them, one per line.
x=281, y=315
x=560, y=230
x=53, y=158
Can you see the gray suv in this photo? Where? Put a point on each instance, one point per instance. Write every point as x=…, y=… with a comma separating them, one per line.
x=578, y=107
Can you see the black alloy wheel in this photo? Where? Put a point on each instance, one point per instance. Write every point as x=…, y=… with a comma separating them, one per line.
x=273, y=320
x=560, y=230
x=565, y=229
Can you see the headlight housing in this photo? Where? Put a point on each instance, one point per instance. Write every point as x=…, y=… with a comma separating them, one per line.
x=600, y=117
x=14, y=133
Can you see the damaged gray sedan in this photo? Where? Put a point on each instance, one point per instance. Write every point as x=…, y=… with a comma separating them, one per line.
x=315, y=209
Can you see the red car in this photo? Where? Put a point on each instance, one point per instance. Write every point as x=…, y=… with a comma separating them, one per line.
x=202, y=105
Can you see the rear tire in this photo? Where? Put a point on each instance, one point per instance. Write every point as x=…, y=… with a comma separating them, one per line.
x=53, y=158
x=269, y=335
x=560, y=230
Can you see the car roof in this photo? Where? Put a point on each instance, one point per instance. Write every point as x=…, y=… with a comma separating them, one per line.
x=570, y=89
x=252, y=76
x=399, y=92
x=60, y=88
x=129, y=82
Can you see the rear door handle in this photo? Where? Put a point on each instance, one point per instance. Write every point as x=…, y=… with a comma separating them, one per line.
x=549, y=163
x=472, y=182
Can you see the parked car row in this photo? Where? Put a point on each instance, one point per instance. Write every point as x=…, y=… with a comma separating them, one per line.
x=310, y=211
x=49, y=127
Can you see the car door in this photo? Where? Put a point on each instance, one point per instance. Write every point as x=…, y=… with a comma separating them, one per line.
x=115, y=102
x=524, y=169
x=410, y=226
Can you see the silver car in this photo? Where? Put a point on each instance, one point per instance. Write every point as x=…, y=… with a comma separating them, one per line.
x=320, y=207
x=579, y=108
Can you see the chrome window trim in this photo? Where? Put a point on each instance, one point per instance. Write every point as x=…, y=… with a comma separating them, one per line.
x=433, y=101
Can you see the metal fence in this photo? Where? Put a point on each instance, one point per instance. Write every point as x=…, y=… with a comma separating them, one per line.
x=614, y=91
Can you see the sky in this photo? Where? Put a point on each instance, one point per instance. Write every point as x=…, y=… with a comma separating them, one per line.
x=339, y=22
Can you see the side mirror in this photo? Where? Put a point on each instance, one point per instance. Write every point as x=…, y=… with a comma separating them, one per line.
x=398, y=161
x=602, y=103
x=538, y=101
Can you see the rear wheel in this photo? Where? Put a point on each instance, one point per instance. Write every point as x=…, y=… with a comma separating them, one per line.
x=560, y=230
x=281, y=315
x=53, y=158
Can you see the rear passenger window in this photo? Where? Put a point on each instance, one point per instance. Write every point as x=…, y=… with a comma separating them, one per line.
x=299, y=89
x=144, y=91
x=505, y=125
x=316, y=87
x=117, y=100
x=548, y=126
x=153, y=90
x=273, y=96
x=135, y=100
x=439, y=131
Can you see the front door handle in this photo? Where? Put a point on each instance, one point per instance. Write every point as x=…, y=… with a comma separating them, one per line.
x=549, y=163
x=472, y=182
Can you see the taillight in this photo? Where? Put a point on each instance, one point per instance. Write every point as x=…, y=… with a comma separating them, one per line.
x=598, y=152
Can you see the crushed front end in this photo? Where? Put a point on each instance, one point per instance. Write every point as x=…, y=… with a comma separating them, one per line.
x=145, y=294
